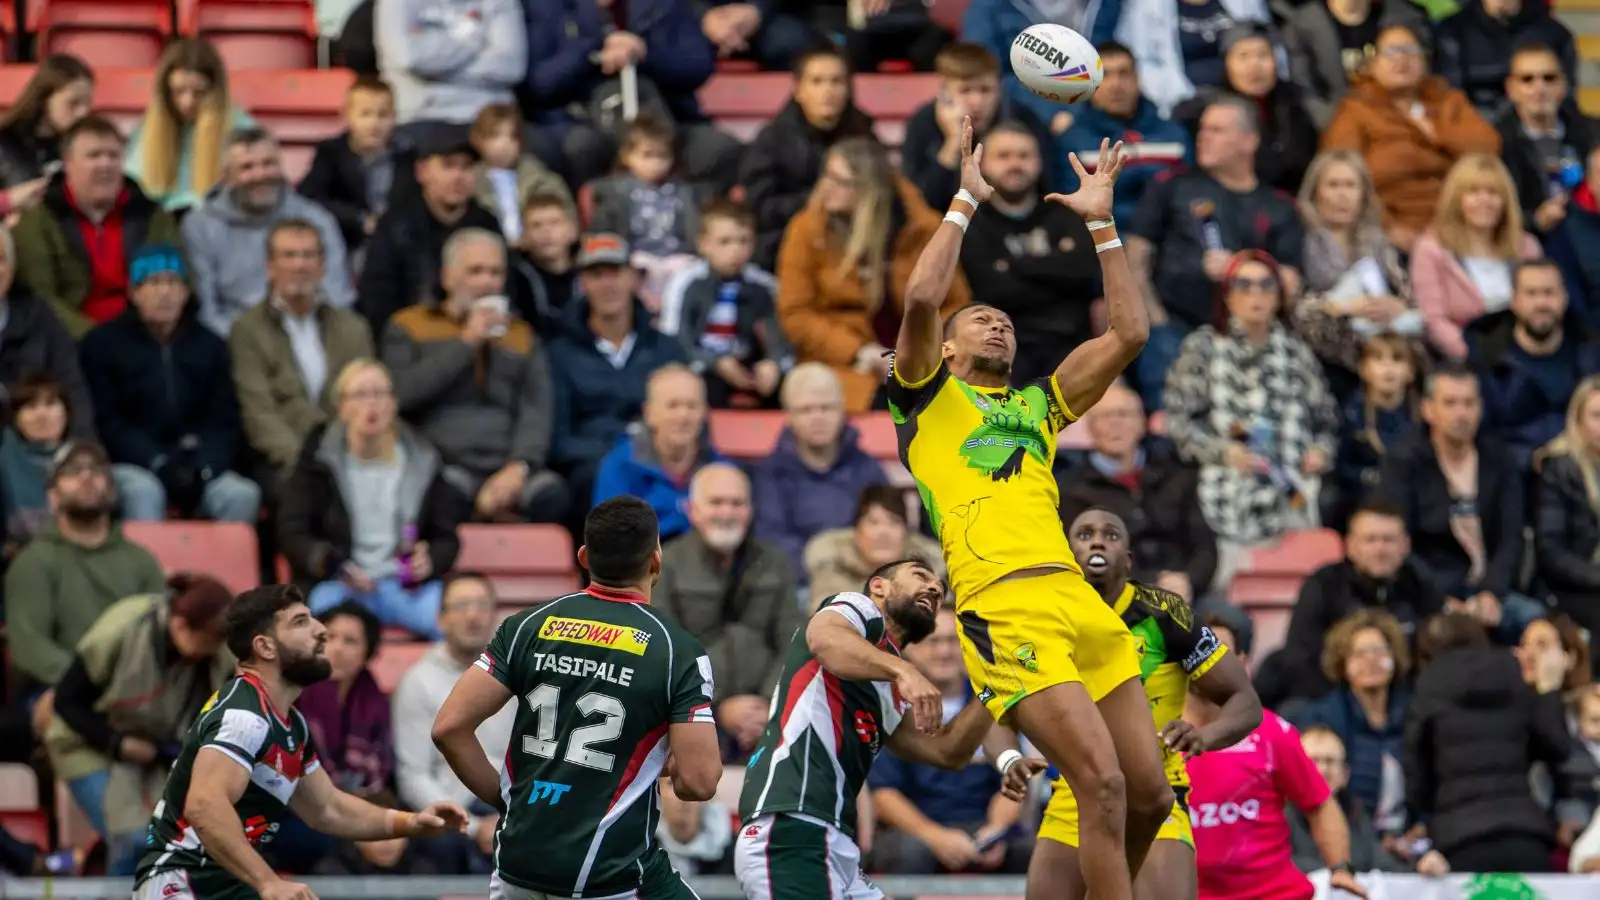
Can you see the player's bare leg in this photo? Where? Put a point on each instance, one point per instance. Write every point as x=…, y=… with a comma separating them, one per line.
x=1168, y=873
x=1126, y=713
x=1054, y=873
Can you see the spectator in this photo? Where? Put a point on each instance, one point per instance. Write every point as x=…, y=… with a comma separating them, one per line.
x=545, y=259
x=447, y=61
x=1585, y=853
x=721, y=309
x=1476, y=45
x=1356, y=284
x=1544, y=137
x=1248, y=404
x=57, y=95
x=476, y=383
x=1473, y=732
x=1188, y=226
x=995, y=25
x=874, y=34
x=1554, y=648
x=1031, y=258
x=1410, y=128
x=355, y=174
x=176, y=151
x=73, y=249
x=781, y=166
x=136, y=680
x=367, y=514
x=1330, y=43
x=226, y=234
x=1178, y=44
x=1380, y=415
x=932, y=820
x=812, y=479
x=736, y=595
x=283, y=351
x=40, y=418
x=1567, y=791
x=969, y=89
x=164, y=402
x=466, y=621
x=74, y=569
x=1365, y=657
x=842, y=559
x=844, y=264
x=1530, y=358
x=1149, y=489
x=509, y=172
x=1566, y=532
x=33, y=344
x=602, y=362
x=1580, y=228
x=1250, y=70
x=656, y=460
x=1462, y=268
x=1367, y=853
x=1461, y=493
x=577, y=50
x=402, y=265
x=656, y=213
x=1117, y=111
x=765, y=32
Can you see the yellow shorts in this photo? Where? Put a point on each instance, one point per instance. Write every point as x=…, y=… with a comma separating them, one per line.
x=1060, y=823
x=1021, y=636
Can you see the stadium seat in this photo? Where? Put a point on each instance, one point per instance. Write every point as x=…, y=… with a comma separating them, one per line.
x=20, y=813
x=878, y=438
x=948, y=13
x=125, y=34
x=1271, y=626
x=745, y=435
x=254, y=34
x=392, y=661
x=527, y=564
x=891, y=99
x=1298, y=553
x=224, y=550
x=73, y=830
x=299, y=107
x=742, y=103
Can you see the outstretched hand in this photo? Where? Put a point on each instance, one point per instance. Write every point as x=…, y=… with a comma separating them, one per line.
x=972, y=164
x=1014, y=784
x=1093, y=198
x=442, y=817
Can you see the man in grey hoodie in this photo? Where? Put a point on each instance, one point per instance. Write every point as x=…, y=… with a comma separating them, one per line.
x=448, y=59
x=226, y=237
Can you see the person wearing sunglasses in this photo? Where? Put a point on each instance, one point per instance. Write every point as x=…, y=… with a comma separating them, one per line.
x=1477, y=45
x=1544, y=138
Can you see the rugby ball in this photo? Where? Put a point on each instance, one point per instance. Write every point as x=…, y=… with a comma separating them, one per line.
x=1056, y=63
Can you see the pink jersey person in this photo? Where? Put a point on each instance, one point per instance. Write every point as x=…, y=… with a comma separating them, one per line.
x=1236, y=802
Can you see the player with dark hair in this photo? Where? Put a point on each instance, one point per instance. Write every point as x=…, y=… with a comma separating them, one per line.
x=610, y=696
x=844, y=694
x=248, y=758
x=1176, y=653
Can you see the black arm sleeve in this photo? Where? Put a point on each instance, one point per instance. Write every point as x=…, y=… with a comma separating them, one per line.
x=76, y=695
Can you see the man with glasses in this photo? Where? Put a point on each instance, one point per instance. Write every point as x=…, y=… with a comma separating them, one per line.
x=1475, y=45
x=1367, y=853
x=1544, y=137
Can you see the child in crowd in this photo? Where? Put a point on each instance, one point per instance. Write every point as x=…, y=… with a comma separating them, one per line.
x=722, y=310
x=354, y=173
x=509, y=173
x=544, y=258
x=656, y=212
x=1376, y=417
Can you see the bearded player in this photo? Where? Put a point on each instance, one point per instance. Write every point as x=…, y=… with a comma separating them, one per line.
x=249, y=758
x=1043, y=650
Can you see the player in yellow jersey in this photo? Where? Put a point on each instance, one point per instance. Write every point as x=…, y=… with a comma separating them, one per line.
x=1044, y=652
x=1176, y=653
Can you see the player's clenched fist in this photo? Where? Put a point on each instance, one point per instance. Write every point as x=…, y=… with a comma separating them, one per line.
x=286, y=890
x=927, y=704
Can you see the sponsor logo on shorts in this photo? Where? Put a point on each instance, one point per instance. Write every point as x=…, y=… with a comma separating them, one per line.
x=171, y=889
x=1026, y=655
x=753, y=831
x=595, y=634
x=985, y=695
x=548, y=790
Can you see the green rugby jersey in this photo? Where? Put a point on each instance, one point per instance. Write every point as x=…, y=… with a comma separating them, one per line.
x=597, y=676
x=824, y=732
x=240, y=721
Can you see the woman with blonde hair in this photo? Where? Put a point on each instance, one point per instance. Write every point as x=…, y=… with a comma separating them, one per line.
x=175, y=152
x=844, y=264
x=1356, y=286
x=1462, y=267
x=365, y=514
x=1566, y=527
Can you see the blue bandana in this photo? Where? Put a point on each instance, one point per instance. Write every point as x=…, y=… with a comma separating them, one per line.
x=155, y=259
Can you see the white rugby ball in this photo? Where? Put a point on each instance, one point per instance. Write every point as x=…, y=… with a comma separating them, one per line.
x=1056, y=63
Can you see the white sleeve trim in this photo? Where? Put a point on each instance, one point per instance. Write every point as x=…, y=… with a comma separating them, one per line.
x=858, y=608
x=243, y=729
x=708, y=681
x=230, y=753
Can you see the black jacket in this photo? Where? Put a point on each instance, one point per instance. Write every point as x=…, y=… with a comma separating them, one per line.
x=148, y=396
x=23, y=154
x=1288, y=135
x=1166, y=530
x=1527, y=166
x=338, y=182
x=314, y=518
x=1474, y=731
x=1472, y=49
x=34, y=342
x=1411, y=477
x=919, y=154
x=1335, y=591
x=1566, y=534
x=404, y=256
x=781, y=167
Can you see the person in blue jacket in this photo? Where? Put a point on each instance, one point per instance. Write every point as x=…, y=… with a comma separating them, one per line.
x=658, y=456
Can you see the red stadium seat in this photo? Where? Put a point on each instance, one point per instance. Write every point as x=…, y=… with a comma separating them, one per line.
x=742, y=103
x=948, y=13
x=1271, y=626
x=301, y=106
x=31, y=826
x=20, y=813
x=745, y=435
x=890, y=99
x=878, y=438
x=1298, y=553
x=585, y=200
x=126, y=34
x=224, y=550
x=392, y=661
x=527, y=564
x=254, y=34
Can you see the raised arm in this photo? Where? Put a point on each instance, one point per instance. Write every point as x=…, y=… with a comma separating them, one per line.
x=952, y=746
x=917, y=350
x=1086, y=373
x=335, y=813
x=839, y=642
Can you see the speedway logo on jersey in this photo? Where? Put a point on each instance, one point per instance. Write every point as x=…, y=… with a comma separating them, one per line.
x=595, y=634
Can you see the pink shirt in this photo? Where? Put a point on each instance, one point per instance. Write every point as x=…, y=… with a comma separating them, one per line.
x=1237, y=802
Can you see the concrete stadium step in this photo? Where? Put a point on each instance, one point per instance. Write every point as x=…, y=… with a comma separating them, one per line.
x=1589, y=100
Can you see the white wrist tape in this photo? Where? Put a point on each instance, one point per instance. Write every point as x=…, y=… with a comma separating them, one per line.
x=960, y=219
x=1098, y=224
x=966, y=196
x=1006, y=760
x=1112, y=244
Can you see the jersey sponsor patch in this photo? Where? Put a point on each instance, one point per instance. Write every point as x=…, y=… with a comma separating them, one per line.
x=242, y=729
x=595, y=634
x=1204, y=647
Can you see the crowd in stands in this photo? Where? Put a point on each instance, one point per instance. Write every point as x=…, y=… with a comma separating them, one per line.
x=1362, y=229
